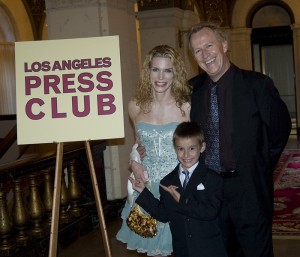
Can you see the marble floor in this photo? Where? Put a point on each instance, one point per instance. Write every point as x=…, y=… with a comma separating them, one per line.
x=91, y=244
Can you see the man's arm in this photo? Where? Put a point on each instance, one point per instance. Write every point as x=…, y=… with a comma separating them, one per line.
x=277, y=118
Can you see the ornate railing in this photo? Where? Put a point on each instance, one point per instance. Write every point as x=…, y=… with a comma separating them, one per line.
x=26, y=198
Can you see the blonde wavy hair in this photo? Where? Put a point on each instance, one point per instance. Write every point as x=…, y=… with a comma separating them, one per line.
x=180, y=89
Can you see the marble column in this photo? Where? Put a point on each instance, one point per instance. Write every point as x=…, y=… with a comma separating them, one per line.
x=240, y=47
x=296, y=38
x=167, y=26
x=92, y=18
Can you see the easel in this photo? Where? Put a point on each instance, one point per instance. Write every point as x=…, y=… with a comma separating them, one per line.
x=56, y=201
x=101, y=107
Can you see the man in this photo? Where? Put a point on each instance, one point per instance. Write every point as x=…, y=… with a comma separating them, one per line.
x=244, y=141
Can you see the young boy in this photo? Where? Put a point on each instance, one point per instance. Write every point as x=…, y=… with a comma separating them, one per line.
x=193, y=211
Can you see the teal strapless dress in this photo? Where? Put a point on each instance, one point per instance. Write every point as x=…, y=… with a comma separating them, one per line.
x=160, y=160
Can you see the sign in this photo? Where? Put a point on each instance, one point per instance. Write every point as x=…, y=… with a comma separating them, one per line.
x=69, y=90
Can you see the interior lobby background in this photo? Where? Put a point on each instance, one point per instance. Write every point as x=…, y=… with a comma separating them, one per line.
x=140, y=25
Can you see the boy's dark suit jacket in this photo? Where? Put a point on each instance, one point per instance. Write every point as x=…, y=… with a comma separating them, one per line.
x=194, y=221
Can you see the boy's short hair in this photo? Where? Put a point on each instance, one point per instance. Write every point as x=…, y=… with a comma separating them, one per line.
x=188, y=129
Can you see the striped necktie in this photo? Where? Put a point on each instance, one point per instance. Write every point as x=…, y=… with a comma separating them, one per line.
x=187, y=177
x=212, y=159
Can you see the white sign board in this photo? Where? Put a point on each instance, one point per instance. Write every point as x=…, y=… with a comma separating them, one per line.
x=69, y=90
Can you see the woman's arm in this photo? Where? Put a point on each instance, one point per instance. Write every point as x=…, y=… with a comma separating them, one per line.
x=135, y=160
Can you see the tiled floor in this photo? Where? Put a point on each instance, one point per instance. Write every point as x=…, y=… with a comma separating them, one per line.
x=91, y=245
x=293, y=143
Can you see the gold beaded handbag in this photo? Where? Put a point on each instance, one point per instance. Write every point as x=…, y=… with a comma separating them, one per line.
x=141, y=223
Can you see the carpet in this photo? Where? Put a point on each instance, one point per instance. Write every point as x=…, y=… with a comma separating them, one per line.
x=286, y=220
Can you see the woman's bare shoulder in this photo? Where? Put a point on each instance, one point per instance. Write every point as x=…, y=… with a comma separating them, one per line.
x=133, y=109
x=186, y=107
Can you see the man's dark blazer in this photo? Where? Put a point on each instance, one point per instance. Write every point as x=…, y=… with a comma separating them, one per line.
x=194, y=221
x=261, y=127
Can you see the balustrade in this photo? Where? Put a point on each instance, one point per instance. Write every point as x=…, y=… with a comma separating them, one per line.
x=74, y=190
x=25, y=223
x=20, y=215
x=48, y=193
x=6, y=243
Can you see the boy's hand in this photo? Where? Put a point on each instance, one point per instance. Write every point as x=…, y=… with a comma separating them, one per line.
x=137, y=184
x=172, y=190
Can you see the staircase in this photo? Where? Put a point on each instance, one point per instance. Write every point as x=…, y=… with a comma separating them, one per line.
x=8, y=138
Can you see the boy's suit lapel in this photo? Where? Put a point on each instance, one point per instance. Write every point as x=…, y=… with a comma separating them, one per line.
x=195, y=179
x=174, y=179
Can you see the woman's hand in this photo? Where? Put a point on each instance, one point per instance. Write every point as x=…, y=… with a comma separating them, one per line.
x=138, y=171
x=142, y=151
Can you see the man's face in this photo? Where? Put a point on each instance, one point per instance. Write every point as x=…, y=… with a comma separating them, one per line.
x=210, y=53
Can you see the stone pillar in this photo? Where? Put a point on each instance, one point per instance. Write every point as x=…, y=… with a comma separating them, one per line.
x=240, y=47
x=159, y=27
x=167, y=26
x=7, y=78
x=189, y=19
x=92, y=18
x=296, y=38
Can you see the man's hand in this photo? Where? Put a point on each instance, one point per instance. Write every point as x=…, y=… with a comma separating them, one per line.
x=138, y=171
x=173, y=191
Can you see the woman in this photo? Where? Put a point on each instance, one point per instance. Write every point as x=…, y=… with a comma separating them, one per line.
x=161, y=102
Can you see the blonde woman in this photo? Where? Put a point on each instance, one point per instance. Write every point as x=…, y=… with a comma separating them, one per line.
x=161, y=102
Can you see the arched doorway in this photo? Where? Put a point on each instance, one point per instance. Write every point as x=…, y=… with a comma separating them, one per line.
x=7, y=64
x=272, y=51
x=14, y=26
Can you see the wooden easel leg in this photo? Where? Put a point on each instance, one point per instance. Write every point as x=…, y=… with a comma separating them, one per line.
x=56, y=202
x=98, y=200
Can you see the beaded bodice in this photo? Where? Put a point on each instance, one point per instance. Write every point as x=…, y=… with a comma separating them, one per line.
x=160, y=156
